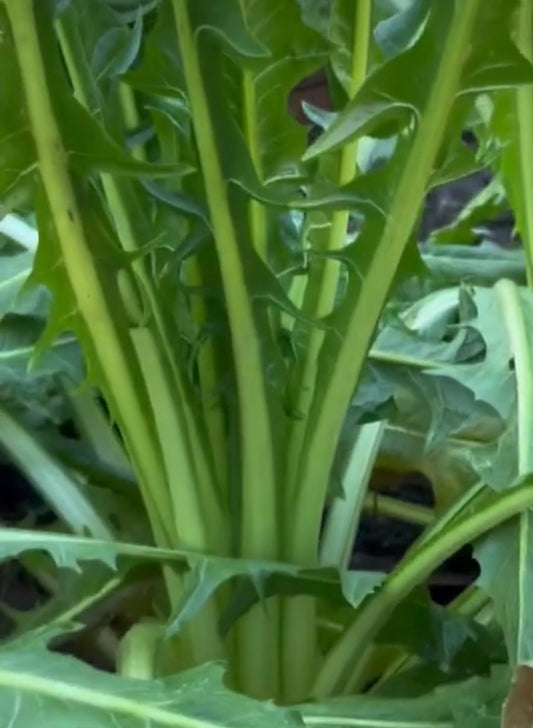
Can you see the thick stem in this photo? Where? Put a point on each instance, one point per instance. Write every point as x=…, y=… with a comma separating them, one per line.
x=82, y=273
x=319, y=299
x=384, y=505
x=520, y=344
x=258, y=660
x=209, y=379
x=299, y=647
x=342, y=521
x=197, y=518
x=329, y=409
x=346, y=662
x=108, y=332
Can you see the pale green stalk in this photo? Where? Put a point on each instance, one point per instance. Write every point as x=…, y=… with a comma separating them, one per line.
x=345, y=511
x=346, y=662
x=190, y=482
x=318, y=303
x=384, y=505
x=209, y=380
x=79, y=263
x=524, y=117
x=257, y=216
x=137, y=655
x=106, y=335
x=96, y=430
x=299, y=649
x=131, y=116
x=520, y=340
x=329, y=410
x=258, y=633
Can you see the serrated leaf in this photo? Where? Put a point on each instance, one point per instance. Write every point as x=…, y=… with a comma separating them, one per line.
x=407, y=352
x=497, y=366
x=41, y=689
x=92, y=149
x=208, y=572
x=391, y=98
x=29, y=385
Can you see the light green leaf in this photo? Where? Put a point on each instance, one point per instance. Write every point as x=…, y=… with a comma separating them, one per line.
x=227, y=19
x=92, y=149
x=510, y=548
x=116, y=49
x=481, y=265
x=41, y=689
x=497, y=366
x=400, y=100
x=400, y=31
x=18, y=361
x=61, y=489
x=440, y=708
x=260, y=578
x=29, y=385
x=15, y=269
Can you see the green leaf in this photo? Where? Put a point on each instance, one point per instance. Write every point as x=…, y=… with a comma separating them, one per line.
x=116, y=49
x=18, y=359
x=496, y=367
x=41, y=689
x=511, y=545
x=15, y=271
x=462, y=704
x=260, y=578
x=17, y=152
x=92, y=149
x=469, y=223
x=482, y=265
x=507, y=550
x=294, y=52
x=29, y=384
x=409, y=352
x=348, y=587
x=77, y=596
x=59, y=487
x=399, y=100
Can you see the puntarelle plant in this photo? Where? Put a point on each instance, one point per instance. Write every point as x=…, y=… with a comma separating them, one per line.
x=205, y=303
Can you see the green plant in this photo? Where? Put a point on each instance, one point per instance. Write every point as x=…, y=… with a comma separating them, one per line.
x=226, y=286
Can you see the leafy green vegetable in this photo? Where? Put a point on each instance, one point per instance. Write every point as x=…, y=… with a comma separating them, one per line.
x=34, y=680
x=223, y=330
